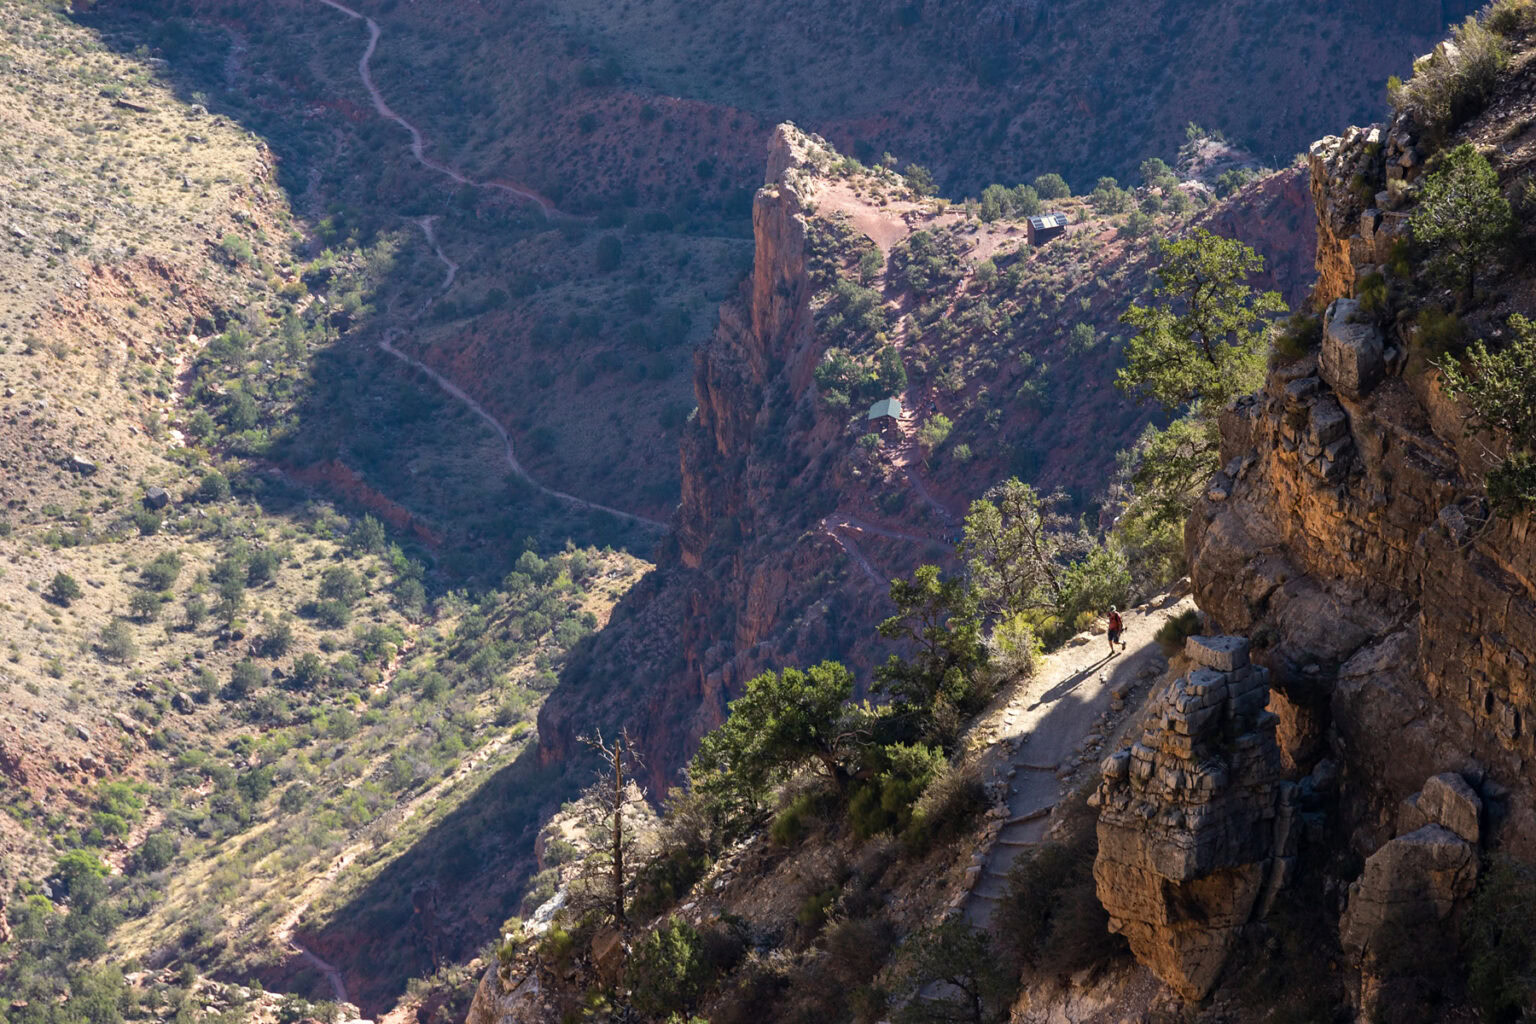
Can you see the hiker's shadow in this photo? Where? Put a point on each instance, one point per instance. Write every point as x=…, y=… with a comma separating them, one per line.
x=1071, y=683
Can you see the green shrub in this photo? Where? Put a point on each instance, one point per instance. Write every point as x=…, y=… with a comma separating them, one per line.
x=857, y=948
x=1013, y=646
x=162, y=572
x=1172, y=634
x=1094, y=583
x=1436, y=334
x=558, y=946
x=870, y=265
x=1300, y=335
x=666, y=878
x=1512, y=483
x=244, y=678
x=952, y=800
x=214, y=486
x=667, y=969
x=237, y=248
x=155, y=853
x=792, y=822
x=934, y=431
x=147, y=521
x=812, y=913
x=920, y=180
x=898, y=774
x=1499, y=389
x=1453, y=83
x=116, y=642
x=194, y=611
x=1511, y=17
x=852, y=312
x=1051, y=920
x=1497, y=941
x=276, y=641
x=1372, y=292
x=1228, y=182
x=1052, y=186
x=144, y=605
x=63, y=589
x=341, y=583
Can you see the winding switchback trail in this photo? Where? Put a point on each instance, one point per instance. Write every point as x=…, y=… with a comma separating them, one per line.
x=418, y=141
x=838, y=526
x=547, y=208
x=387, y=344
x=325, y=967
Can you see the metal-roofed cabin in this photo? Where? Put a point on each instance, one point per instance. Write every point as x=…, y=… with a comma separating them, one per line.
x=1045, y=226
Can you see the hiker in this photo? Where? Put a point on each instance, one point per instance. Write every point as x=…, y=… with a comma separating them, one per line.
x=1116, y=627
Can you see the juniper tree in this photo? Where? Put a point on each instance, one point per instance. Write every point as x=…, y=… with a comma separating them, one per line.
x=1015, y=540
x=783, y=722
x=1201, y=341
x=1462, y=219
x=1499, y=390
x=937, y=622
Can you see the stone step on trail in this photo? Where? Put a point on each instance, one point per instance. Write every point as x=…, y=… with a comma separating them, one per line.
x=1030, y=816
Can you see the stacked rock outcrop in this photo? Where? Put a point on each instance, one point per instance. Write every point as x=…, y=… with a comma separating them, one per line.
x=1195, y=824
x=1359, y=180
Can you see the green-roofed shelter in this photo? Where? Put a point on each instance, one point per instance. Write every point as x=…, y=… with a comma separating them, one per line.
x=885, y=415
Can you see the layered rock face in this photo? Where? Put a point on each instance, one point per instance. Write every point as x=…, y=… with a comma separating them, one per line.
x=744, y=589
x=1348, y=533
x=1195, y=824
x=1413, y=882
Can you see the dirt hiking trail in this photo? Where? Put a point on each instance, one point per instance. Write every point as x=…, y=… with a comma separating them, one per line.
x=418, y=141
x=550, y=212
x=387, y=344
x=1046, y=726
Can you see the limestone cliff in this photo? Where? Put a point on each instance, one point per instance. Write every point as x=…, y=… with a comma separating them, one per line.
x=1349, y=533
x=744, y=586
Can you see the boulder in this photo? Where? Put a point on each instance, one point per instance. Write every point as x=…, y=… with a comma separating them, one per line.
x=1409, y=887
x=82, y=465
x=1353, y=358
x=1221, y=653
x=182, y=703
x=156, y=498
x=1448, y=801
x=608, y=954
x=1413, y=880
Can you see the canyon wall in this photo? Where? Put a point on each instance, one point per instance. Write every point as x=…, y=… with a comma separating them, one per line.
x=748, y=582
x=1348, y=535
x=786, y=535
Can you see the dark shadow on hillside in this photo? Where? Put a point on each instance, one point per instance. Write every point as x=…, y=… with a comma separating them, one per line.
x=366, y=430
x=449, y=893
